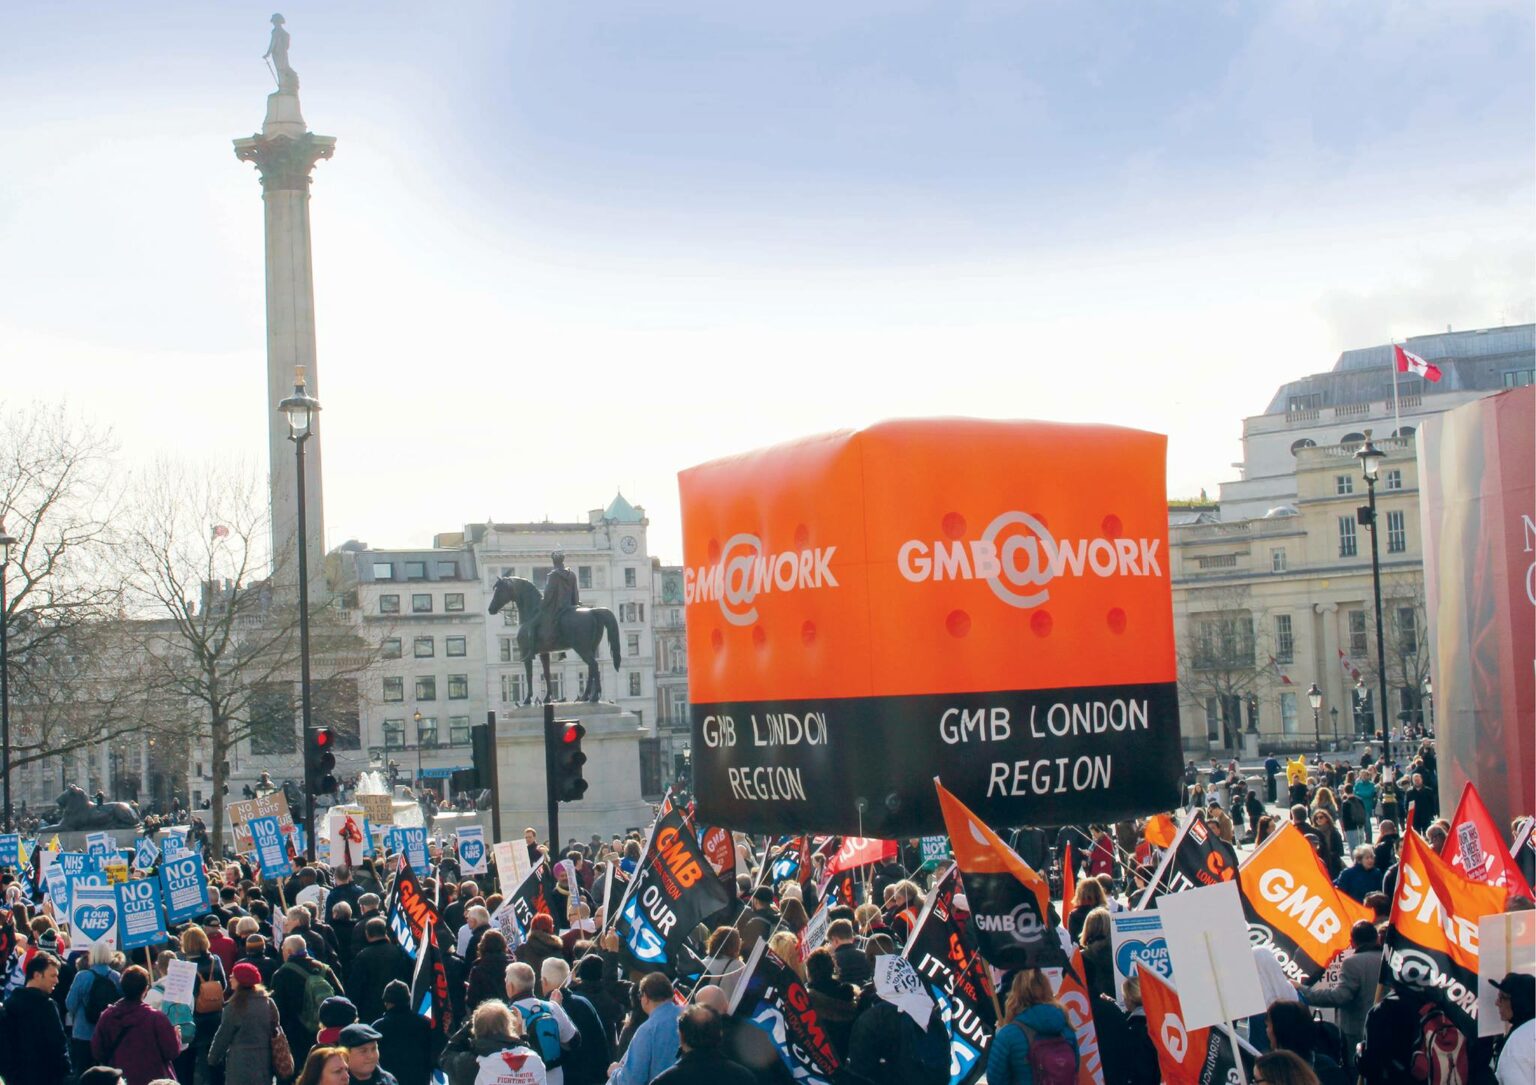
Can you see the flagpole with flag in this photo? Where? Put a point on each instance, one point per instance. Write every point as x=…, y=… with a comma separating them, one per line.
x=1397, y=418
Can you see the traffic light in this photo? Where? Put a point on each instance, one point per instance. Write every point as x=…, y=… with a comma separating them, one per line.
x=569, y=783
x=320, y=761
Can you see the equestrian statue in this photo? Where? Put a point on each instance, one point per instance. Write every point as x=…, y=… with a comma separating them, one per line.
x=555, y=621
x=78, y=814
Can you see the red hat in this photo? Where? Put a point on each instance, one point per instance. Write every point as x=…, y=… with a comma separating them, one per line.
x=543, y=922
x=245, y=974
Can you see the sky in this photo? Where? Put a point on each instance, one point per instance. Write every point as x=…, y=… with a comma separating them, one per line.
x=564, y=250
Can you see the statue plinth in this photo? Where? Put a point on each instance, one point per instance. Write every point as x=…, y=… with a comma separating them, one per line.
x=613, y=802
x=283, y=116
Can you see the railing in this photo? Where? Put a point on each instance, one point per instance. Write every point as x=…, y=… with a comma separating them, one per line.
x=1352, y=410
x=1306, y=414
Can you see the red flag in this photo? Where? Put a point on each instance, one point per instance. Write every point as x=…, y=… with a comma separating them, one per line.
x=1068, y=879
x=1408, y=362
x=1475, y=847
x=858, y=851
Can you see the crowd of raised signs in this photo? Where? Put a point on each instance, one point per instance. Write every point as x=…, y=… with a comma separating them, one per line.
x=688, y=953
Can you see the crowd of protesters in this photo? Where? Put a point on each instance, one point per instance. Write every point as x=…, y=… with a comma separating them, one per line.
x=304, y=980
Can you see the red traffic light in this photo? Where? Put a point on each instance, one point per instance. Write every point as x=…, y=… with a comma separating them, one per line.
x=572, y=733
x=322, y=738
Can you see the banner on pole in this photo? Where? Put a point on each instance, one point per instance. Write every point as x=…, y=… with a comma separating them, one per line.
x=186, y=888
x=271, y=847
x=470, y=840
x=138, y=906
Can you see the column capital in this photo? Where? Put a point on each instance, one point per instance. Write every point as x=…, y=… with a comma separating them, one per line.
x=284, y=161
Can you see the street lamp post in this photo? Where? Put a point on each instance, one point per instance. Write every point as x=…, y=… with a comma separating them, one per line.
x=6, y=541
x=1315, y=699
x=301, y=408
x=1333, y=715
x=1429, y=699
x=1370, y=458
x=417, y=719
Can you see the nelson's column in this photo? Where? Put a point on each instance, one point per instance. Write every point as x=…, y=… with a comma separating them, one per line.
x=285, y=152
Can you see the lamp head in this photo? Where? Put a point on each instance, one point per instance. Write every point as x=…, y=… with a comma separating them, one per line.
x=1315, y=697
x=1370, y=458
x=6, y=542
x=301, y=408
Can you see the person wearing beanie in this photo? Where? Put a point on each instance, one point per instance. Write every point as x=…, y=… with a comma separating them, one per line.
x=1516, y=1060
x=408, y=1046
x=336, y=1013
x=541, y=944
x=243, y=1042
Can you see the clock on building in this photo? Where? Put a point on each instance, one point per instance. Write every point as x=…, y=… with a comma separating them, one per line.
x=628, y=544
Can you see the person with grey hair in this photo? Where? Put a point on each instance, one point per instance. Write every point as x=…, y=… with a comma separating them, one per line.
x=86, y=1010
x=476, y=920
x=494, y=1033
x=587, y=1063
x=368, y=906
x=1363, y=876
x=290, y=990
x=550, y=1030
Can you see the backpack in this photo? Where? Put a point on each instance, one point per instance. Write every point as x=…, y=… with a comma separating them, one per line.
x=543, y=1030
x=102, y=994
x=316, y=990
x=1441, y=1057
x=1052, y=1059
x=210, y=992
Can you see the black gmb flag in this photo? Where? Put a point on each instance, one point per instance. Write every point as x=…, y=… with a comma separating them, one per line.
x=1009, y=902
x=943, y=952
x=418, y=928
x=673, y=891
x=771, y=997
x=1196, y=857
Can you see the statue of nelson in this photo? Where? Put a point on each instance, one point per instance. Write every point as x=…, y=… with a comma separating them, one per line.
x=561, y=594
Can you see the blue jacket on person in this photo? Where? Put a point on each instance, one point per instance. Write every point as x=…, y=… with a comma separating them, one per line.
x=80, y=992
x=652, y=1049
x=1008, y=1058
x=1355, y=881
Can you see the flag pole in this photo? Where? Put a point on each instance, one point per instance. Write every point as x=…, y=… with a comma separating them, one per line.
x=1397, y=419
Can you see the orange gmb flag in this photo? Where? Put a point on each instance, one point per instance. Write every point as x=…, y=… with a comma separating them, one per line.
x=1072, y=993
x=1202, y=1056
x=1476, y=848
x=1010, y=902
x=1160, y=830
x=1432, y=939
x=1292, y=908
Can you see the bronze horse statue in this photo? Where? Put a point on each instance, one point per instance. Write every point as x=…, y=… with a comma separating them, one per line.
x=78, y=814
x=577, y=629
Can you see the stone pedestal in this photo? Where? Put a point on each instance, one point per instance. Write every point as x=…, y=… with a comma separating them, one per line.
x=612, y=803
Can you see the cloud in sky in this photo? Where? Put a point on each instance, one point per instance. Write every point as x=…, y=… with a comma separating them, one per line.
x=694, y=228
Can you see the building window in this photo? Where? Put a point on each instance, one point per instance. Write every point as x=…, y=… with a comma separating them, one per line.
x=1343, y=484
x=1285, y=641
x=1307, y=401
x=394, y=689
x=632, y=644
x=394, y=734
x=455, y=646
x=447, y=570
x=1277, y=559
x=583, y=576
x=1357, y=644
x=1406, y=620
x=1288, y=713
x=458, y=730
x=458, y=687
x=389, y=604
x=1347, y=547
x=511, y=688
x=629, y=577
x=390, y=648
x=556, y=690
x=421, y=603
x=1397, y=532
x=426, y=732
x=650, y=767
x=640, y=610
x=383, y=570
x=1304, y=442
x=426, y=687
x=453, y=600
x=634, y=683
x=1212, y=720
x=1394, y=479
x=504, y=646
x=1224, y=642
x=1519, y=378
x=509, y=616
x=1218, y=561
x=424, y=648
x=415, y=570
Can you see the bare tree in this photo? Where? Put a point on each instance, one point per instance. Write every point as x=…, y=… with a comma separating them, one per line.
x=1405, y=621
x=64, y=596
x=1223, y=655
x=216, y=634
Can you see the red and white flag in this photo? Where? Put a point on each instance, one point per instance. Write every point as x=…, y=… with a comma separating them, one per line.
x=1408, y=362
x=1475, y=847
